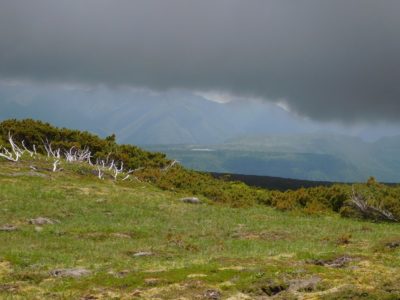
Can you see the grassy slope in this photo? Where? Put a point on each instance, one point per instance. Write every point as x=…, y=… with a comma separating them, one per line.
x=196, y=247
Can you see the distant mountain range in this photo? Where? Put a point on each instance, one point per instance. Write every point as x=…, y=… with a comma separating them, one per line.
x=236, y=137
x=141, y=117
x=175, y=118
x=310, y=156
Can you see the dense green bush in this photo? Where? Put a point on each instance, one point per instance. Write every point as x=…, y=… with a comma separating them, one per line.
x=329, y=198
x=37, y=132
x=198, y=183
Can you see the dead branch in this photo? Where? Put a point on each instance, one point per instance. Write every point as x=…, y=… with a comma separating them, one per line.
x=130, y=171
x=173, y=163
x=72, y=155
x=358, y=202
x=117, y=171
x=26, y=149
x=100, y=173
x=16, y=151
x=55, y=164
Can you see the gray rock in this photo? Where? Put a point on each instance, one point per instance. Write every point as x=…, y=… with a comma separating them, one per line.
x=393, y=245
x=75, y=273
x=191, y=200
x=119, y=274
x=8, y=227
x=212, y=294
x=41, y=221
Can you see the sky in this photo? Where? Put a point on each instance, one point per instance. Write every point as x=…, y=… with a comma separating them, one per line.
x=325, y=62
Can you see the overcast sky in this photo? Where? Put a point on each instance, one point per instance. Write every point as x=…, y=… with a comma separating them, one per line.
x=326, y=60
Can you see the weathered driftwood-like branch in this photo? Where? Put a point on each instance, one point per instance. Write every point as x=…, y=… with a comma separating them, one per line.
x=173, y=163
x=128, y=174
x=117, y=171
x=55, y=164
x=358, y=202
x=47, y=147
x=31, y=153
x=8, y=155
x=78, y=155
x=16, y=151
x=100, y=172
x=72, y=155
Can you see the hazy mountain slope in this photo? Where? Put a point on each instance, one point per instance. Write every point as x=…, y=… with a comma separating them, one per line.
x=146, y=119
x=251, y=138
x=142, y=117
x=172, y=121
x=313, y=157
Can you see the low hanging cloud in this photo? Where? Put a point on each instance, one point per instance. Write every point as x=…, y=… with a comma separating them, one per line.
x=329, y=60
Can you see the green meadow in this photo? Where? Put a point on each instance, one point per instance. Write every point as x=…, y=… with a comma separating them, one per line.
x=132, y=240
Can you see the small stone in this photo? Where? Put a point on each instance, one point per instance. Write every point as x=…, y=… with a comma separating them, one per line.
x=119, y=274
x=38, y=228
x=41, y=221
x=191, y=200
x=143, y=253
x=393, y=245
x=8, y=227
x=212, y=294
x=75, y=273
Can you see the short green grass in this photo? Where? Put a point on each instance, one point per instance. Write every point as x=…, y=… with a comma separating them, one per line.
x=235, y=251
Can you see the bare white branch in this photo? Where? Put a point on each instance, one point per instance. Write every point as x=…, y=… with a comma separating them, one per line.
x=72, y=155
x=26, y=149
x=16, y=151
x=55, y=164
x=173, y=163
x=100, y=173
x=358, y=201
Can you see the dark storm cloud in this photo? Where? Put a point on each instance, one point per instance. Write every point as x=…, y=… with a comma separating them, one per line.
x=334, y=59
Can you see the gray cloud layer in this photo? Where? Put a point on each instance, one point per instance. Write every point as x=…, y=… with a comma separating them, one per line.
x=330, y=60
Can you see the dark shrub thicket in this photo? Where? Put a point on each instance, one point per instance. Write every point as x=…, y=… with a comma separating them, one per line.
x=179, y=179
x=36, y=132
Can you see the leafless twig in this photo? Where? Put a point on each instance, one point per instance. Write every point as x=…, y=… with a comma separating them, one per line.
x=358, y=201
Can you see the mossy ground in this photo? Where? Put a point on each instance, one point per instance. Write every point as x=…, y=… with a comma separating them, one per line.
x=242, y=253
